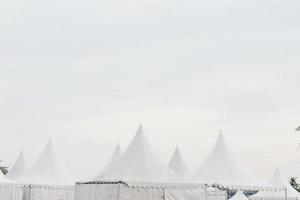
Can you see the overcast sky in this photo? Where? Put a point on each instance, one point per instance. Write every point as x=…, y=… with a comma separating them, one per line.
x=87, y=73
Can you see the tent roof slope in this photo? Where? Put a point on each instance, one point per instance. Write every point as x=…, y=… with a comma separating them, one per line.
x=48, y=169
x=114, y=158
x=177, y=163
x=140, y=163
x=222, y=167
x=18, y=168
x=239, y=195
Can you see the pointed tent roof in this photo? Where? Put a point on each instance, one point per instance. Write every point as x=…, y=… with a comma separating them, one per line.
x=239, y=195
x=278, y=181
x=140, y=163
x=114, y=158
x=18, y=168
x=222, y=167
x=177, y=163
x=48, y=169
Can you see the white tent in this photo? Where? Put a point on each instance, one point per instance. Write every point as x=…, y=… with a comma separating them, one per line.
x=114, y=158
x=177, y=163
x=140, y=163
x=18, y=168
x=9, y=190
x=140, y=175
x=223, y=168
x=284, y=188
x=239, y=195
x=48, y=178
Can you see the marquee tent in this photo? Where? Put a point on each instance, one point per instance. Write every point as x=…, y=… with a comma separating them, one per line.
x=140, y=175
x=9, y=190
x=223, y=168
x=18, y=168
x=239, y=195
x=48, y=178
x=177, y=164
x=285, y=190
x=140, y=163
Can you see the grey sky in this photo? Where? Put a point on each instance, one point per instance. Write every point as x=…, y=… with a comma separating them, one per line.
x=87, y=73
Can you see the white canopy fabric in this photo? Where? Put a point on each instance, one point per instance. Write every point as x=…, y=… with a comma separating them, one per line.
x=114, y=158
x=239, y=195
x=278, y=181
x=9, y=190
x=177, y=163
x=223, y=168
x=48, y=169
x=3, y=179
x=18, y=168
x=140, y=163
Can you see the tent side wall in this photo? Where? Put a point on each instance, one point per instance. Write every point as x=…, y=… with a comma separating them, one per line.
x=47, y=192
x=97, y=192
x=215, y=194
x=141, y=193
x=119, y=191
x=273, y=198
x=11, y=191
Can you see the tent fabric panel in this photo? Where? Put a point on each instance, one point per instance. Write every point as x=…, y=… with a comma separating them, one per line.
x=97, y=192
x=213, y=194
x=11, y=192
x=271, y=195
x=127, y=193
x=121, y=191
x=273, y=198
x=191, y=194
x=48, y=193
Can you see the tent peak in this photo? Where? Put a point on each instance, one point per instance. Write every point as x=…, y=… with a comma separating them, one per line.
x=140, y=129
x=48, y=169
x=239, y=195
x=220, y=136
x=140, y=163
x=223, y=167
x=18, y=168
x=177, y=163
x=50, y=142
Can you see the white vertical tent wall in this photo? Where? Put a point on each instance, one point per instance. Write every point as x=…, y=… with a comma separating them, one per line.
x=9, y=190
x=139, y=175
x=146, y=191
x=177, y=163
x=223, y=168
x=285, y=189
x=48, y=178
x=18, y=168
